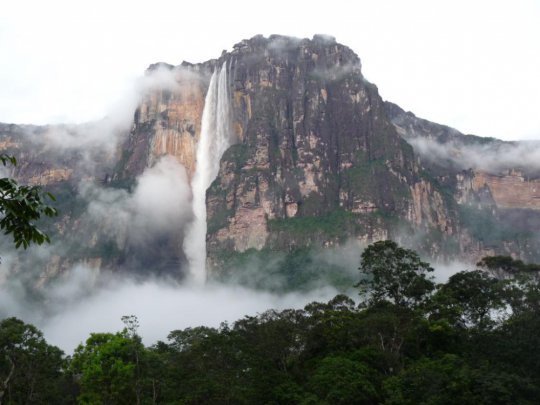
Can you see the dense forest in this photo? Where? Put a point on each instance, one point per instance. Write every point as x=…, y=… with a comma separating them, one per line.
x=407, y=340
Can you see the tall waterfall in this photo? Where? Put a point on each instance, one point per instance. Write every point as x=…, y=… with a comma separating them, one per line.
x=214, y=140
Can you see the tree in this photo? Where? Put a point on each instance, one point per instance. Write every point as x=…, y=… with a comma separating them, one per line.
x=107, y=369
x=431, y=381
x=470, y=298
x=505, y=266
x=341, y=380
x=30, y=369
x=20, y=207
x=132, y=326
x=395, y=274
x=451, y=380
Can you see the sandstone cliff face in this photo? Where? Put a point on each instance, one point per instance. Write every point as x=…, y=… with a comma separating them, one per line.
x=497, y=203
x=167, y=122
x=57, y=154
x=37, y=164
x=316, y=152
x=509, y=187
x=428, y=206
x=510, y=190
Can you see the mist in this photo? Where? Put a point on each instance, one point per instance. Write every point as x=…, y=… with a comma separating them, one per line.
x=84, y=302
x=104, y=134
x=160, y=202
x=493, y=157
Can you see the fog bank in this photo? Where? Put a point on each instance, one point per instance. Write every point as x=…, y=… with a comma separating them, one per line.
x=83, y=303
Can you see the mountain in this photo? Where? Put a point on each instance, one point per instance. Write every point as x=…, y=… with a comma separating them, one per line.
x=316, y=161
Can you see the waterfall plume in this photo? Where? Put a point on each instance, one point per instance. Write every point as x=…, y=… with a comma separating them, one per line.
x=214, y=140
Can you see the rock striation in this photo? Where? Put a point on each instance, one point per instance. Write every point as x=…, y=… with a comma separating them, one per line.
x=167, y=122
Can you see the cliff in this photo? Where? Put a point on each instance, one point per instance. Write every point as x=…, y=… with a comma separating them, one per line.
x=319, y=160
x=167, y=122
x=495, y=183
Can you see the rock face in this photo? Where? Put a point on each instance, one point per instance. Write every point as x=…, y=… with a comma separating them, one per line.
x=319, y=159
x=316, y=162
x=36, y=165
x=495, y=186
x=510, y=190
x=314, y=143
x=167, y=122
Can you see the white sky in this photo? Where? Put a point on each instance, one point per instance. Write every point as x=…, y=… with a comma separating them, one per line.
x=473, y=65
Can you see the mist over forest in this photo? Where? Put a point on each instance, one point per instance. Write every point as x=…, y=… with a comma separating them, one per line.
x=264, y=227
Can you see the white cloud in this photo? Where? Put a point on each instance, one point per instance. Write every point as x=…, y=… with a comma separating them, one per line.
x=82, y=303
x=493, y=158
x=160, y=202
x=162, y=198
x=470, y=65
x=162, y=307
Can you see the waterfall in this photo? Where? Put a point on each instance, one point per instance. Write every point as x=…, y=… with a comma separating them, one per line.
x=214, y=140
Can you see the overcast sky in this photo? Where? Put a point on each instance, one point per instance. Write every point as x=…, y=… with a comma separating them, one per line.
x=473, y=65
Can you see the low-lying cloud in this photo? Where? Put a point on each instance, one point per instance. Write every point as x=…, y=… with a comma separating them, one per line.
x=335, y=73
x=492, y=157
x=81, y=303
x=160, y=202
x=98, y=141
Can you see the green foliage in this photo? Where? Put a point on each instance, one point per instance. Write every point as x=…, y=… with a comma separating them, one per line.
x=485, y=227
x=446, y=190
x=298, y=269
x=238, y=153
x=427, y=381
x=30, y=369
x=20, y=207
x=450, y=380
x=107, y=368
x=330, y=225
x=362, y=177
x=8, y=159
x=370, y=180
x=454, y=348
x=395, y=274
x=219, y=220
x=507, y=264
x=340, y=380
x=469, y=297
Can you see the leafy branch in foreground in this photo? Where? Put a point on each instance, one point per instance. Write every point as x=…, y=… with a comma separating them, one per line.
x=21, y=206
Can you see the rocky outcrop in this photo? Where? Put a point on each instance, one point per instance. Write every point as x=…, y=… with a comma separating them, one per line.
x=510, y=190
x=429, y=207
x=497, y=193
x=314, y=141
x=167, y=122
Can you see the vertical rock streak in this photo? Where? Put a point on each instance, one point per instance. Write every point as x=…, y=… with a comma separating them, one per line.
x=214, y=140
